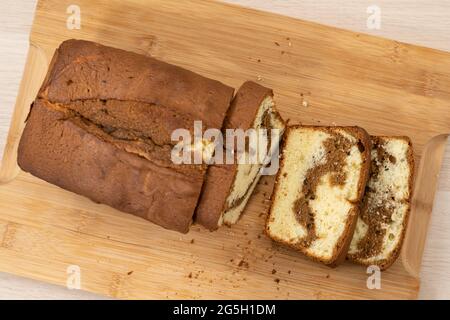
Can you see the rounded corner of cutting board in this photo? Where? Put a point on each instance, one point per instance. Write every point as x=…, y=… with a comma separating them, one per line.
x=426, y=178
x=33, y=75
x=8, y=175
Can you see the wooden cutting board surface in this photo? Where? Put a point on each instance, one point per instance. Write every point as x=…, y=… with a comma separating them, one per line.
x=320, y=75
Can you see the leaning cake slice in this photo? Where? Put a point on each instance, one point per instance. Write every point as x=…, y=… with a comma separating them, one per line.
x=384, y=215
x=324, y=171
x=228, y=187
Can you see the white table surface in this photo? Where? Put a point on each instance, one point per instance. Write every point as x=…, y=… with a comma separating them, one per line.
x=421, y=22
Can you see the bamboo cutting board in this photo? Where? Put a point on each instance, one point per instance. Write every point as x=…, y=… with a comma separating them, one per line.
x=320, y=75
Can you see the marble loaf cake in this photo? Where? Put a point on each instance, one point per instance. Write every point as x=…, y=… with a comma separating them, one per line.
x=315, y=204
x=384, y=215
x=228, y=187
x=101, y=127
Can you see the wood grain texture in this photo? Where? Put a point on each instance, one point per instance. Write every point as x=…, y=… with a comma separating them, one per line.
x=420, y=22
x=118, y=277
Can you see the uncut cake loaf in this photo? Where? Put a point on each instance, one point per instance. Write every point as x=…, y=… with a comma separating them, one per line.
x=228, y=187
x=385, y=211
x=101, y=127
x=316, y=199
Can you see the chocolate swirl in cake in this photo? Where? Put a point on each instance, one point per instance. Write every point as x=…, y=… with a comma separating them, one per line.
x=337, y=149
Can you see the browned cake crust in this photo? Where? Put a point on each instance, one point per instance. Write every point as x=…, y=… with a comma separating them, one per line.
x=83, y=71
x=386, y=263
x=101, y=127
x=245, y=105
x=343, y=244
x=219, y=179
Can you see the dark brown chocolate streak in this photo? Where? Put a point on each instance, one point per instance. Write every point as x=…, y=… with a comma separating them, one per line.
x=375, y=215
x=267, y=125
x=337, y=148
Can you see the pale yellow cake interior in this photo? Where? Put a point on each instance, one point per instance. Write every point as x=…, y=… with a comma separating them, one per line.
x=332, y=205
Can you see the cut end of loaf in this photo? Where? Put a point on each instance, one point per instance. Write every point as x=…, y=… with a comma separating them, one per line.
x=228, y=187
x=321, y=181
x=248, y=175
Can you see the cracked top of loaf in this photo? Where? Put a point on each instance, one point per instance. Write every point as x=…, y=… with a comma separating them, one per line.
x=101, y=127
x=84, y=70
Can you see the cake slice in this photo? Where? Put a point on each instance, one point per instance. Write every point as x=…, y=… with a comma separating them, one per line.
x=315, y=205
x=228, y=187
x=384, y=215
